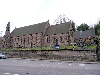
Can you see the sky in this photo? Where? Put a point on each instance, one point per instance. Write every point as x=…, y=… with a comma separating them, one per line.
x=22, y=13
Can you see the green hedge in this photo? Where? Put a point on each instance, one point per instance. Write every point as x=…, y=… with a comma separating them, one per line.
x=51, y=48
x=90, y=47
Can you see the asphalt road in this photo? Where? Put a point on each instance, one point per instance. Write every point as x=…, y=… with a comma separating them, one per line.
x=17, y=66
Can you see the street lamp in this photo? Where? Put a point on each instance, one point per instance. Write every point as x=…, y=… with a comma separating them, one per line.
x=56, y=45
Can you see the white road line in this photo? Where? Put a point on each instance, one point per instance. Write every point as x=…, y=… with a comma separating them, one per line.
x=69, y=64
x=10, y=74
x=81, y=64
x=15, y=74
x=41, y=64
x=7, y=73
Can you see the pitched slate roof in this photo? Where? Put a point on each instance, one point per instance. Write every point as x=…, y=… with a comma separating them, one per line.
x=31, y=29
x=58, y=29
x=84, y=34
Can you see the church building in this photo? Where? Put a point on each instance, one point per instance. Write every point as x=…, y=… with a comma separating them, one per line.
x=37, y=35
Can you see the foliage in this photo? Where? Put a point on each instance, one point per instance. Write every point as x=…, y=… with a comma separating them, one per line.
x=97, y=28
x=51, y=48
x=83, y=27
x=90, y=47
x=73, y=25
x=87, y=42
x=0, y=42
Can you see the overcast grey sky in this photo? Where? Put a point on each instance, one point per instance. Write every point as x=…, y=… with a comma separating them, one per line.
x=27, y=12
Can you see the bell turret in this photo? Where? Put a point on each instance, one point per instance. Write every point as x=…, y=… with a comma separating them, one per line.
x=7, y=35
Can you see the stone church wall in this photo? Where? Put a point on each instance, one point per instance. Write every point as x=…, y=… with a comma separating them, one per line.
x=62, y=39
x=26, y=41
x=53, y=55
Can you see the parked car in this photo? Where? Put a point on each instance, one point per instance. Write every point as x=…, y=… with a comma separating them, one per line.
x=2, y=56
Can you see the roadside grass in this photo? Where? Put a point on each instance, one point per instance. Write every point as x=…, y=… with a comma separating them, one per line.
x=68, y=47
x=90, y=47
x=51, y=48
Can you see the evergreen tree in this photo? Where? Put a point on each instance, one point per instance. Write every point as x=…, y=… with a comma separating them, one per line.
x=83, y=27
x=97, y=28
x=73, y=25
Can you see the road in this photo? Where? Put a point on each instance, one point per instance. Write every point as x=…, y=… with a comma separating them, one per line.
x=16, y=66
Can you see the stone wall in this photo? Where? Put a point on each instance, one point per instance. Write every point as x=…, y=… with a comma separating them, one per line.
x=62, y=39
x=57, y=55
x=28, y=40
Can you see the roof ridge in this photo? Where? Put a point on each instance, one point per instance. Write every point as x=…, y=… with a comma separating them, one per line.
x=32, y=25
x=35, y=28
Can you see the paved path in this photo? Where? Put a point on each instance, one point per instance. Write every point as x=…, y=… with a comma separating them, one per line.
x=47, y=67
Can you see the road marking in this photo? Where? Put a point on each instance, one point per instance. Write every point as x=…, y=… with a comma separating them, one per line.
x=41, y=64
x=10, y=74
x=47, y=65
x=82, y=64
x=69, y=64
x=15, y=74
x=6, y=73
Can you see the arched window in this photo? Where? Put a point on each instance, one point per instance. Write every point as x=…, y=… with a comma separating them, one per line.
x=48, y=39
x=54, y=39
x=60, y=38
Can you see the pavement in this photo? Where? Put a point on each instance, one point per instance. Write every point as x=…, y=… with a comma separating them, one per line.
x=18, y=66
